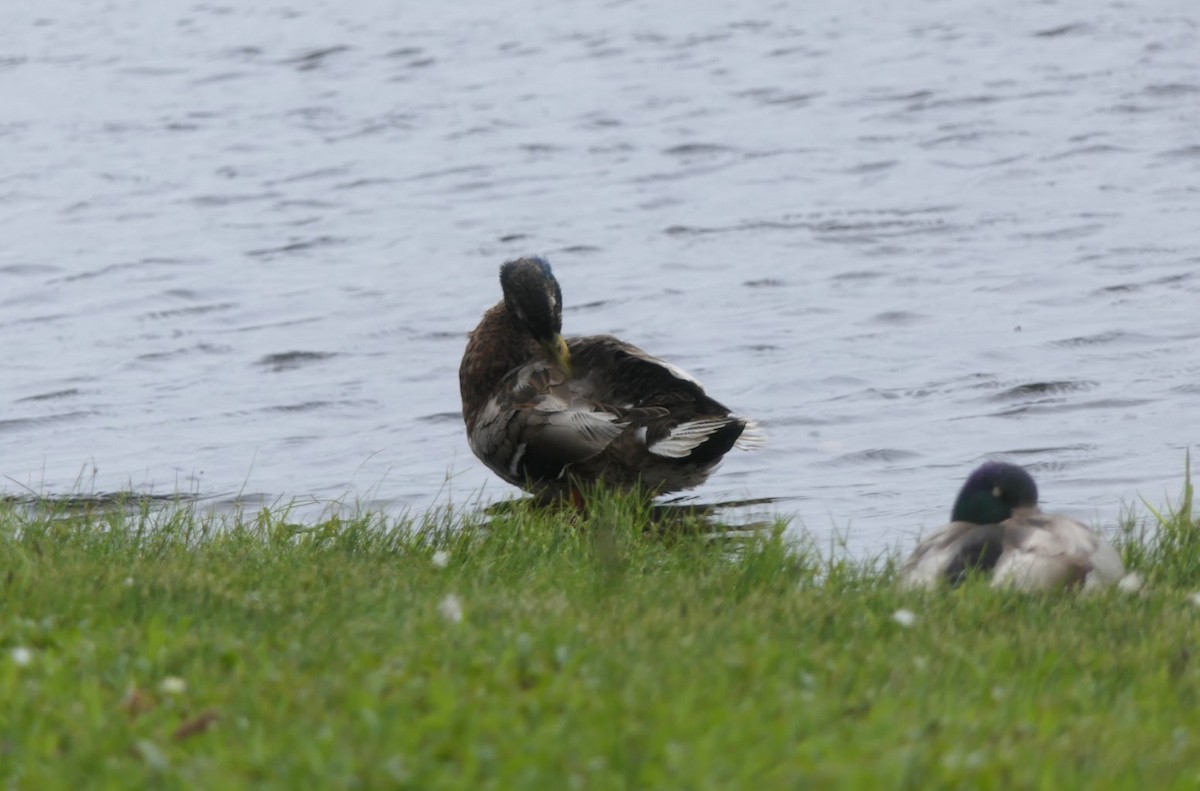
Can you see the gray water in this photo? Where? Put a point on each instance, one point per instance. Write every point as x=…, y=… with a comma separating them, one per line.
x=241, y=244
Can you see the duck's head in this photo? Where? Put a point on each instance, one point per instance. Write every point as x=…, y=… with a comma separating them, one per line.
x=992, y=492
x=533, y=298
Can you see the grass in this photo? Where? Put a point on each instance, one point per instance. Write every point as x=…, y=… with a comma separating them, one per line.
x=542, y=650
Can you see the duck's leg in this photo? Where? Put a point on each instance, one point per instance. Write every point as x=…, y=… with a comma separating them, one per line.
x=576, y=498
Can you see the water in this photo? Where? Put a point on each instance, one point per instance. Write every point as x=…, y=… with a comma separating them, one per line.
x=242, y=245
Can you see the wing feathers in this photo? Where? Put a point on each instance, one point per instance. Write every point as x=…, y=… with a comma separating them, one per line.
x=573, y=433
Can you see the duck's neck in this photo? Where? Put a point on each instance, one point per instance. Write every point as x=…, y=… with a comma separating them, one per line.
x=494, y=348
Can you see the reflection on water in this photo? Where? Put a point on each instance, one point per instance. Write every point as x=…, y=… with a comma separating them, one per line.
x=242, y=245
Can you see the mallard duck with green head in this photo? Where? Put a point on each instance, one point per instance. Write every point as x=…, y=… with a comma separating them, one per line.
x=996, y=529
x=555, y=415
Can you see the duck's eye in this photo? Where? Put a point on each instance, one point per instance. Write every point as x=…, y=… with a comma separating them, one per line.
x=997, y=492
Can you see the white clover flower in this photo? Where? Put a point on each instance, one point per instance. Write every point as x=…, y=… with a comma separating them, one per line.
x=21, y=656
x=451, y=608
x=1195, y=598
x=905, y=618
x=172, y=685
x=440, y=559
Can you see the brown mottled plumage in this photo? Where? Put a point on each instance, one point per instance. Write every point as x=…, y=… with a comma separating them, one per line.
x=551, y=415
x=997, y=529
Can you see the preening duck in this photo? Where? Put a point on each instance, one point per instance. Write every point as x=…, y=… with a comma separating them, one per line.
x=997, y=529
x=552, y=415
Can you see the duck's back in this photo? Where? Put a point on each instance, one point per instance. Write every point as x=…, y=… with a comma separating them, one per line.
x=675, y=433
x=1046, y=551
x=620, y=374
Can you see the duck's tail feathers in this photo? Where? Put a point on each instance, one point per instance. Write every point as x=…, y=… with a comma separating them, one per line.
x=686, y=438
x=752, y=437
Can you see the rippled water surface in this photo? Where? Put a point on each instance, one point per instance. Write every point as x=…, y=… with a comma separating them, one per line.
x=241, y=245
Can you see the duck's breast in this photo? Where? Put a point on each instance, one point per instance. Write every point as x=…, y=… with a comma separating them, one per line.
x=950, y=553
